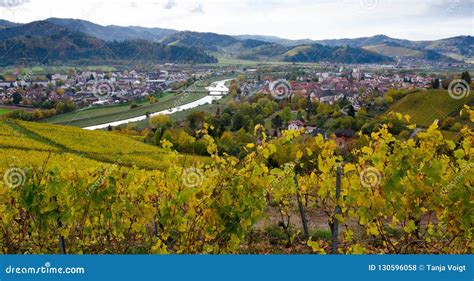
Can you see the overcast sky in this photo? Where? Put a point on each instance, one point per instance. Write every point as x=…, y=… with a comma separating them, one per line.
x=293, y=19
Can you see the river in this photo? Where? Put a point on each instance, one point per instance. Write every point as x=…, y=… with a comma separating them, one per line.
x=205, y=100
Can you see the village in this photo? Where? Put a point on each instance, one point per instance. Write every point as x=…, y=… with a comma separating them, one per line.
x=329, y=87
x=94, y=88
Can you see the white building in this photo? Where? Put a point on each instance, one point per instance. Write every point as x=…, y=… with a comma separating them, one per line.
x=218, y=89
x=59, y=77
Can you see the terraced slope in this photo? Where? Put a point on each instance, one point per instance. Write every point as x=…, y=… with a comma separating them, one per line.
x=20, y=139
x=426, y=106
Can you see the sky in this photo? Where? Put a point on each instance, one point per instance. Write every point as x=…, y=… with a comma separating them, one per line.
x=292, y=19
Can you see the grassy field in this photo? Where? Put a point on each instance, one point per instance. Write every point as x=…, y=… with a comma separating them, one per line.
x=4, y=110
x=426, y=106
x=223, y=61
x=296, y=50
x=84, y=119
x=393, y=51
x=34, y=140
x=226, y=61
x=43, y=70
x=99, y=111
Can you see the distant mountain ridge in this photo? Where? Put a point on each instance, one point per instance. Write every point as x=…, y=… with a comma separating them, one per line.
x=341, y=54
x=203, y=47
x=43, y=42
x=5, y=24
x=255, y=49
x=113, y=32
x=448, y=49
x=278, y=40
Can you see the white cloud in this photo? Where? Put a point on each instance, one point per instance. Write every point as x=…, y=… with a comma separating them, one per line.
x=295, y=19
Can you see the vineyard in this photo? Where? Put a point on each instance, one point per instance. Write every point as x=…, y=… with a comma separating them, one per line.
x=94, y=145
x=426, y=106
x=9, y=138
x=72, y=191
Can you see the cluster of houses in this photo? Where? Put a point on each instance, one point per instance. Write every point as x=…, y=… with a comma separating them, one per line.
x=330, y=87
x=93, y=88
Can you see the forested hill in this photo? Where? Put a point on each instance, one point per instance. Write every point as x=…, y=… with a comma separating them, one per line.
x=46, y=43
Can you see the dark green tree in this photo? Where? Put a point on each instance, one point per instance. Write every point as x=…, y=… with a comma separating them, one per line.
x=300, y=115
x=435, y=83
x=277, y=122
x=466, y=76
x=237, y=122
x=16, y=98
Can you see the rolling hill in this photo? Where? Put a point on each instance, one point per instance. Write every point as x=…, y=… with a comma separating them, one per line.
x=396, y=50
x=426, y=106
x=437, y=50
x=79, y=148
x=5, y=24
x=318, y=52
x=365, y=41
x=460, y=47
x=449, y=49
x=43, y=42
x=205, y=40
x=68, y=40
x=254, y=49
x=36, y=28
x=277, y=40
x=82, y=38
x=113, y=32
x=226, y=46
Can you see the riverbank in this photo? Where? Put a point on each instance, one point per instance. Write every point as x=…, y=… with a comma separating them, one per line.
x=209, y=99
